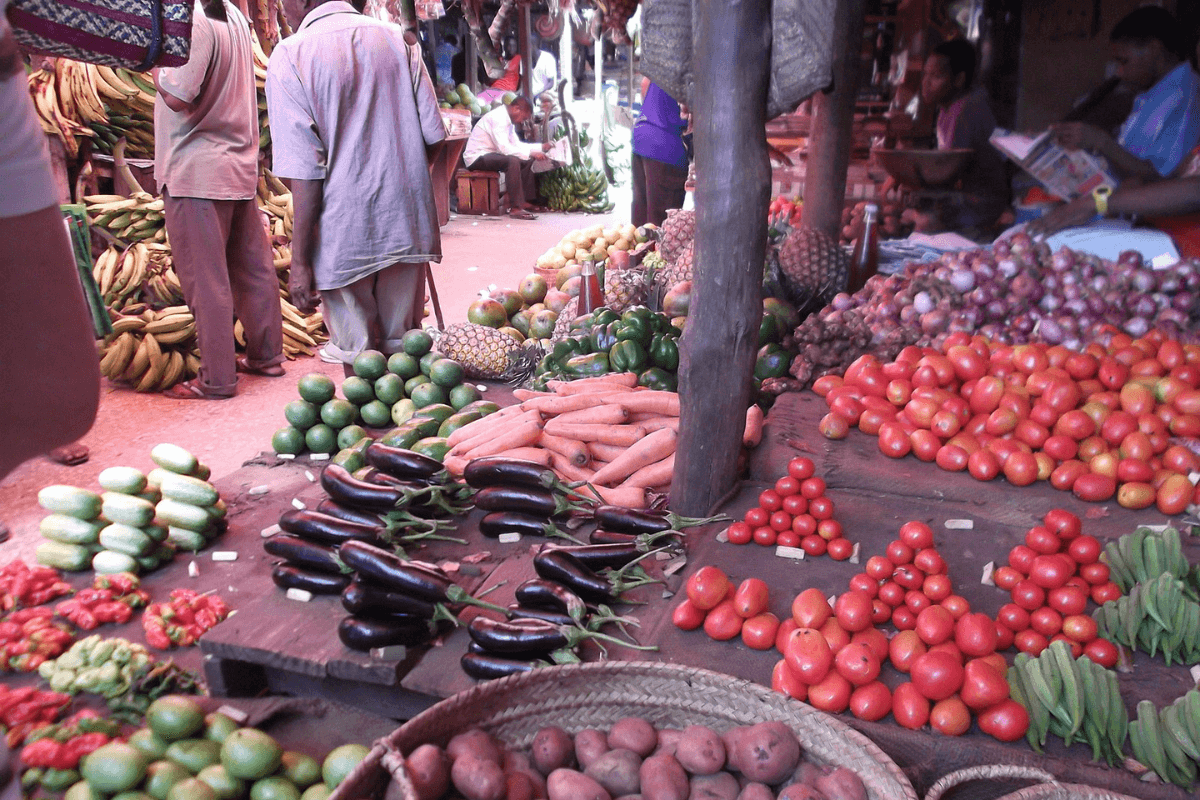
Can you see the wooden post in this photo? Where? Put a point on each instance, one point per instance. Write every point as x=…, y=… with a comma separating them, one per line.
x=566, y=59
x=832, y=125
x=527, y=53
x=733, y=188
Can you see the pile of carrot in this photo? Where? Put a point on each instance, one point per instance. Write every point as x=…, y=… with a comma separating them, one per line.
x=606, y=431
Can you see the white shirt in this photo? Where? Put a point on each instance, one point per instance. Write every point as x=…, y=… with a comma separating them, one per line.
x=26, y=178
x=351, y=104
x=545, y=73
x=494, y=133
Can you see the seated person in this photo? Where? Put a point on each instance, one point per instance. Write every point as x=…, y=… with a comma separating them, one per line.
x=494, y=146
x=964, y=121
x=1150, y=54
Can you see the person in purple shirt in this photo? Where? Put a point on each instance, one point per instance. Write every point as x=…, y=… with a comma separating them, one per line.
x=659, y=159
x=1150, y=52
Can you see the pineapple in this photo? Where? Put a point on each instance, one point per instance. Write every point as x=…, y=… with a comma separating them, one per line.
x=678, y=270
x=677, y=234
x=814, y=268
x=624, y=288
x=483, y=351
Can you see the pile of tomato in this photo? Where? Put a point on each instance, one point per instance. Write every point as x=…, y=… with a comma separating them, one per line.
x=1097, y=423
x=795, y=512
x=726, y=612
x=1051, y=577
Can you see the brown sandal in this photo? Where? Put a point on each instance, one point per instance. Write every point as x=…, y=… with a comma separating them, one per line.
x=193, y=390
x=269, y=371
x=520, y=213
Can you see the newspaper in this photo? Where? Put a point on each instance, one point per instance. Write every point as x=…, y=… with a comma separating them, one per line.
x=1065, y=173
x=559, y=155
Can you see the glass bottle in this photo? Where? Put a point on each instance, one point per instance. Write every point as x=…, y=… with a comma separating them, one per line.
x=865, y=260
x=591, y=296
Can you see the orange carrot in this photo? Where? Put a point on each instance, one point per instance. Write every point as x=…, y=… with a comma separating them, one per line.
x=534, y=454
x=604, y=452
x=656, y=474
x=484, y=433
x=658, y=402
x=551, y=404
x=528, y=394
x=606, y=382
x=626, y=496
x=594, y=415
x=567, y=469
x=623, y=435
x=522, y=435
x=455, y=464
x=482, y=424
x=655, y=447
x=655, y=423
x=754, y=426
x=575, y=451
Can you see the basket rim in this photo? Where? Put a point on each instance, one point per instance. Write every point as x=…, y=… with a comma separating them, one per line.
x=513, y=683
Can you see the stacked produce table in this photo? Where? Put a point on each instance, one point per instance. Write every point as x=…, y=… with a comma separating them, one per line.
x=290, y=646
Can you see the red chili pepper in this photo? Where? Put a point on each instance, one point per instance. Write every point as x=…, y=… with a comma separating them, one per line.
x=184, y=614
x=83, y=744
x=156, y=636
x=112, y=611
x=43, y=753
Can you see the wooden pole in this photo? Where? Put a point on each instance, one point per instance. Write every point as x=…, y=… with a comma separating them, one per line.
x=733, y=188
x=527, y=53
x=832, y=125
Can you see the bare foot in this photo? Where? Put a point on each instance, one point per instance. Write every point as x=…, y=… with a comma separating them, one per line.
x=70, y=455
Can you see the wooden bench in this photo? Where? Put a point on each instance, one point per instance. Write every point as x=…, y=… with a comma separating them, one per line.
x=478, y=192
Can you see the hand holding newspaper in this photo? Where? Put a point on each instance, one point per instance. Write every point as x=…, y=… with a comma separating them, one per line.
x=1065, y=173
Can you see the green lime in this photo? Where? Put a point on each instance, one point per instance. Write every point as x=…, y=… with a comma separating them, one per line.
x=376, y=414
x=150, y=743
x=274, y=788
x=318, y=791
x=132, y=795
x=370, y=364
x=427, y=361
x=338, y=414
x=446, y=372
x=463, y=395
x=321, y=439
x=358, y=390
x=299, y=768
x=225, y=785
x=350, y=436
x=114, y=767
x=161, y=776
x=389, y=388
x=414, y=382
x=175, y=717
x=316, y=388
x=194, y=754
x=434, y=447
x=288, y=440
x=439, y=411
x=426, y=394
x=82, y=790
x=402, y=410
x=250, y=754
x=416, y=342
x=217, y=726
x=192, y=789
x=340, y=762
x=302, y=414
x=404, y=365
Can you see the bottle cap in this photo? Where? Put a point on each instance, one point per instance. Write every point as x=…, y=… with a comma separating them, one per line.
x=871, y=208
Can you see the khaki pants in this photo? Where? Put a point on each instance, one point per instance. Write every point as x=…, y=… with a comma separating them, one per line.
x=375, y=312
x=224, y=265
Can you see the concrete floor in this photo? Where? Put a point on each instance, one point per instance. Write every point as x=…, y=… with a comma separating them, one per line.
x=477, y=252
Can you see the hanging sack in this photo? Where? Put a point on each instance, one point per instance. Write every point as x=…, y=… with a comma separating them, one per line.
x=135, y=34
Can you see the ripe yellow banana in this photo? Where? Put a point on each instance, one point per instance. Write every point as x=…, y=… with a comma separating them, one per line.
x=176, y=365
x=158, y=365
x=139, y=364
x=128, y=324
x=118, y=355
x=177, y=336
x=169, y=323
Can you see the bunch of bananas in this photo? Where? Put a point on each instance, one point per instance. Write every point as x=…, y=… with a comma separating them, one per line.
x=1154, y=616
x=150, y=350
x=1073, y=698
x=138, y=218
x=142, y=273
x=275, y=200
x=260, y=86
x=67, y=102
x=1143, y=555
x=129, y=104
x=301, y=335
x=1167, y=740
x=578, y=187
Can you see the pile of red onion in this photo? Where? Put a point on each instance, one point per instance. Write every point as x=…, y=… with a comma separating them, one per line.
x=1015, y=291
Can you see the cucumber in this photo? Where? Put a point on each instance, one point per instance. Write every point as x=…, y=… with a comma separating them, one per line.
x=187, y=489
x=110, y=561
x=156, y=532
x=126, y=539
x=151, y=495
x=60, y=555
x=174, y=458
x=183, y=539
x=456, y=421
x=126, y=480
x=164, y=552
x=218, y=510
x=202, y=472
x=127, y=509
x=154, y=478
x=70, y=500
x=183, y=515
x=148, y=563
x=435, y=447
x=69, y=530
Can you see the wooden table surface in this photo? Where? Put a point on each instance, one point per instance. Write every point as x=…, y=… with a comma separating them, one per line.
x=873, y=496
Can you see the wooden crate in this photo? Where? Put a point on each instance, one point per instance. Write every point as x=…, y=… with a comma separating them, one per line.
x=478, y=192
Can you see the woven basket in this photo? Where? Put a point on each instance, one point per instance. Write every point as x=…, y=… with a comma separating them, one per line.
x=595, y=695
x=1047, y=788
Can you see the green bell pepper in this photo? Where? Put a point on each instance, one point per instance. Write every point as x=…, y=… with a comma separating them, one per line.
x=587, y=366
x=772, y=362
x=627, y=356
x=658, y=378
x=603, y=338
x=604, y=316
x=634, y=329
x=664, y=352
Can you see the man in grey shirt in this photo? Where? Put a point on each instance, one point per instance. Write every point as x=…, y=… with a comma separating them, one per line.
x=353, y=115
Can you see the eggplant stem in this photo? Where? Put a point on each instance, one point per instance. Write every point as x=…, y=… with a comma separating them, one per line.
x=457, y=594
x=577, y=635
x=440, y=611
x=678, y=523
x=565, y=655
x=555, y=532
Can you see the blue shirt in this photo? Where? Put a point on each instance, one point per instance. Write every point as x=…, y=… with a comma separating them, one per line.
x=658, y=132
x=1164, y=124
